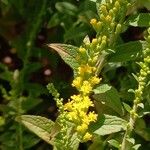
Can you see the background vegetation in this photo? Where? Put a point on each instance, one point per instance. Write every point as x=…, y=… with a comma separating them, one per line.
x=27, y=65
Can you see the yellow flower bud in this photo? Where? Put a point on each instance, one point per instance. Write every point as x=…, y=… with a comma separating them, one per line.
x=118, y=28
x=94, y=41
x=117, y=5
x=108, y=18
x=82, y=50
x=93, y=22
x=104, y=9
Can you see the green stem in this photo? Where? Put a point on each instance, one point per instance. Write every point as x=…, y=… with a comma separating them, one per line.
x=19, y=89
x=32, y=36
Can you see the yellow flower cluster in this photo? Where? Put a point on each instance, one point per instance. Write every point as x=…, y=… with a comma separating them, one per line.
x=78, y=105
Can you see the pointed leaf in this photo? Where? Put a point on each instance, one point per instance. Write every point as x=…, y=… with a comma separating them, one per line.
x=139, y=20
x=66, y=8
x=114, y=143
x=108, y=96
x=41, y=126
x=126, y=52
x=68, y=53
x=108, y=124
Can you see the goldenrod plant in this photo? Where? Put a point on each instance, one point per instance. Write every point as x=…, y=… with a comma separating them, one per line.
x=97, y=112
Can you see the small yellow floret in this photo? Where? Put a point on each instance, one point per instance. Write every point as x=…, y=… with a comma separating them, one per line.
x=92, y=116
x=95, y=80
x=85, y=69
x=77, y=82
x=82, y=128
x=68, y=106
x=86, y=87
x=76, y=98
x=87, y=137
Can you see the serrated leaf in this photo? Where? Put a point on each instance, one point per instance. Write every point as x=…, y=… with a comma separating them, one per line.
x=68, y=53
x=126, y=52
x=108, y=124
x=108, y=96
x=139, y=20
x=41, y=126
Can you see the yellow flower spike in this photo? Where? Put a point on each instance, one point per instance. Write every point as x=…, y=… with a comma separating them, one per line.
x=77, y=82
x=86, y=88
x=87, y=137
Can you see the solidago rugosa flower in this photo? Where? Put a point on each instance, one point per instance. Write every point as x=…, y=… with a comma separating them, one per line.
x=77, y=108
x=107, y=27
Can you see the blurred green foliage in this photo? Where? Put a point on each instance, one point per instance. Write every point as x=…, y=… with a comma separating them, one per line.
x=27, y=66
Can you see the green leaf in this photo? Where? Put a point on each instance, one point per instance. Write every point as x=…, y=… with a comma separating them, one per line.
x=76, y=32
x=68, y=53
x=108, y=96
x=145, y=3
x=127, y=107
x=126, y=52
x=41, y=126
x=139, y=20
x=29, y=140
x=114, y=143
x=66, y=8
x=107, y=124
x=136, y=147
x=54, y=21
x=142, y=130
